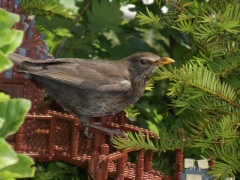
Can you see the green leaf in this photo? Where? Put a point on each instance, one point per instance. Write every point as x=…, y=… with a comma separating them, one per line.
x=130, y=45
x=104, y=14
x=7, y=19
x=1, y=122
x=4, y=63
x=7, y=155
x=4, y=97
x=10, y=38
x=20, y=169
x=63, y=32
x=13, y=111
x=153, y=127
x=13, y=43
x=7, y=35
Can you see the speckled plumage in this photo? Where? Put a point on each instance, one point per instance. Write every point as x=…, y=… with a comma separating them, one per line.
x=93, y=88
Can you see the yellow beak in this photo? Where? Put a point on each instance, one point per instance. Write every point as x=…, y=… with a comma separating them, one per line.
x=164, y=60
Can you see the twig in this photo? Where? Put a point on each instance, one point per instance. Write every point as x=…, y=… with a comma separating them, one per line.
x=83, y=11
x=60, y=47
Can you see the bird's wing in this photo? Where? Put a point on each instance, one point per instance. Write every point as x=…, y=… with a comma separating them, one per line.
x=104, y=76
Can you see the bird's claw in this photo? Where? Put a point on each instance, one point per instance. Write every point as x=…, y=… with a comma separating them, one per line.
x=97, y=123
x=118, y=133
x=86, y=132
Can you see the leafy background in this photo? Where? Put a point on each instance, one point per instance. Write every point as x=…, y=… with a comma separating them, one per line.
x=96, y=29
x=202, y=87
x=100, y=32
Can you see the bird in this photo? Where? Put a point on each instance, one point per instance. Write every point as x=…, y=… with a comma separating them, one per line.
x=93, y=88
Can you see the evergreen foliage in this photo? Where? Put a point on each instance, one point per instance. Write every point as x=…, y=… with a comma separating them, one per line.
x=58, y=171
x=205, y=89
x=50, y=8
x=204, y=81
x=167, y=141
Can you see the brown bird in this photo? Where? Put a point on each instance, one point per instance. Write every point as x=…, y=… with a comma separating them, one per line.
x=93, y=88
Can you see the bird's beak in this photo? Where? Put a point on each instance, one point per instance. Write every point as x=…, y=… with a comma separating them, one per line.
x=164, y=61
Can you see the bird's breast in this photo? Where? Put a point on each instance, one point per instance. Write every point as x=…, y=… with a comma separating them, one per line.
x=138, y=88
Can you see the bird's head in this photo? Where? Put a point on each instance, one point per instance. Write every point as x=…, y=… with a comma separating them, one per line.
x=144, y=64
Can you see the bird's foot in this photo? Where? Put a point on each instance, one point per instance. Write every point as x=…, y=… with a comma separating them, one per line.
x=87, y=128
x=86, y=132
x=96, y=123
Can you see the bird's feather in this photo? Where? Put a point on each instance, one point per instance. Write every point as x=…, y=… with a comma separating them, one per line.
x=79, y=72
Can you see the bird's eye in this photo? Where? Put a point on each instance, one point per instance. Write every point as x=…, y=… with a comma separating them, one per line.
x=143, y=62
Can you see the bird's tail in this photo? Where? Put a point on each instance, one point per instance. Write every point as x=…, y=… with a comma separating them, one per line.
x=18, y=59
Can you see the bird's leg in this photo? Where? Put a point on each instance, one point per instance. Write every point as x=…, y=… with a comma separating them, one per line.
x=110, y=131
x=85, y=122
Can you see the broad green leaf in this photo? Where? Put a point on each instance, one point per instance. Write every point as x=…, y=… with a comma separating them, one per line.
x=4, y=63
x=6, y=36
x=16, y=40
x=1, y=122
x=10, y=39
x=13, y=111
x=4, y=97
x=20, y=169
x=63, y=32
x=153, y=127
x=7, y=155
x=104, y=14
x=130, y=45
x=7, y=19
